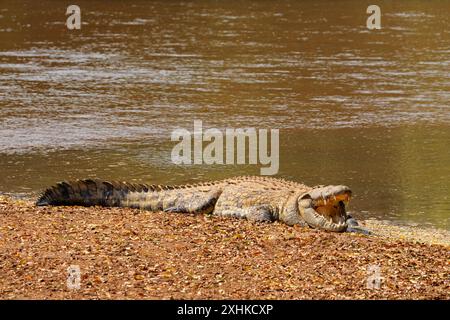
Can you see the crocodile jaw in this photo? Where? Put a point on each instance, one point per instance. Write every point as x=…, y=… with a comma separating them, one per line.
x=324, y=207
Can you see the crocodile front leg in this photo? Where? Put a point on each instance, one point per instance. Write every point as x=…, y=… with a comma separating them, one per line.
x=260, y=213
x=353, y=226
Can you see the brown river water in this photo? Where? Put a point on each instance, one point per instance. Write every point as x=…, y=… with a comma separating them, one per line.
x=364, y=108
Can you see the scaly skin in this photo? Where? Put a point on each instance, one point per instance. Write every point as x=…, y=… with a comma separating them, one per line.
x=261, y=199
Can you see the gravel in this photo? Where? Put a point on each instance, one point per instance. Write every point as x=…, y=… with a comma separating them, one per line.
x=132, y=254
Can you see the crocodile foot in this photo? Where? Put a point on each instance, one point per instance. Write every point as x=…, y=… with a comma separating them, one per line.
x=353, y=226
x=358, y=229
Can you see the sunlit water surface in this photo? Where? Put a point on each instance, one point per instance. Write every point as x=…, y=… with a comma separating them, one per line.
x=369, y=109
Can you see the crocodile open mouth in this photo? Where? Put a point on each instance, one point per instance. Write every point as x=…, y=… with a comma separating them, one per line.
x=325, y=207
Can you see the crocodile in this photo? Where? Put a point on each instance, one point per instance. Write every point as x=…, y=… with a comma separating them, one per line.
x=261, y=199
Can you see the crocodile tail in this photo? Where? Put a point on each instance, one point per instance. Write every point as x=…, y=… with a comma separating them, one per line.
x=88, y=192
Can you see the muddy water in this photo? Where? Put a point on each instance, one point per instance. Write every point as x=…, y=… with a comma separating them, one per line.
x=369, y=109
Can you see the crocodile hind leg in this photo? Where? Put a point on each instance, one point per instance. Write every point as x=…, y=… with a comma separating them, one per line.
x=196, y=203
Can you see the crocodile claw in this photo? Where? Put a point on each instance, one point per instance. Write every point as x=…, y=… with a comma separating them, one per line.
x=358, y=229
x=176, y=210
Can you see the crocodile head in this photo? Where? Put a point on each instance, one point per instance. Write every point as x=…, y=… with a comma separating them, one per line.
x=324, y=207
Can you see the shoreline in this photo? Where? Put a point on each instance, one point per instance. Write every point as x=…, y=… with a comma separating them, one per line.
x=133, y=254
x=414, y=234
x=380, y=228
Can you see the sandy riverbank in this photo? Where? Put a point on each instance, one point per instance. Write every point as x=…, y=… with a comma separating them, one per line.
x=124, y=253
